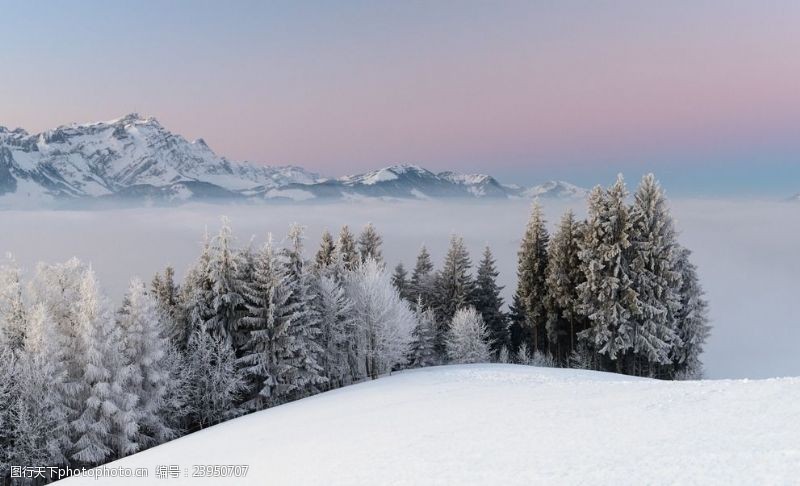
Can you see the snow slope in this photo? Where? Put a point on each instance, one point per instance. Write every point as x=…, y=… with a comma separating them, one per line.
x=507, y=424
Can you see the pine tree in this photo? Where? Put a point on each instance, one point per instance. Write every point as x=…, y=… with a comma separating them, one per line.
x=423, y=338
x=467, y=338
x=607, y=296
x=325, y=254
x=517, y=329
x=167, y=294
x=224, y=271
x=655, y=280
x=106, y=425
x=692, y=325
x=564, y=275
x=400, y=281
x=455, y=287
x=12, y=308
x=369, y=244
x=303, y=347
x=383, y=320
x=488, y=301
x=531, y=275
x=197, y=297
x=346, y=249
x=422, y=285
x=145, y=347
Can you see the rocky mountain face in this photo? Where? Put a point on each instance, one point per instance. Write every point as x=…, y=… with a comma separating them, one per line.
x=136, y=158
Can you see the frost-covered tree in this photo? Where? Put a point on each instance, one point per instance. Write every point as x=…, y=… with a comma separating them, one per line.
x=304, y=351
x=106, y=425
x=40, y=412
x=523, y=355
x=691, y=320
x=564, y=275
x=455, y=287
x=12, y=307
x=369, y=244
x=383, y=320
x=224, y=271
x=400, y=281
x=503, y=355
x=422, y=283
x=168, y=298
x=467, y=338
x=325, y=254
x=489, y=302
x=608, y=298
x=531, y=276
x=336, y=325
x=7, y=393
x=655, y=279
x=346, y=249
x=197, y=298
x=145, y=348
x=422, y=350
x=213, y=383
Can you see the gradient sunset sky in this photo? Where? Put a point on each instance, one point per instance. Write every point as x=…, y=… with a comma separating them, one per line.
x=704, y=93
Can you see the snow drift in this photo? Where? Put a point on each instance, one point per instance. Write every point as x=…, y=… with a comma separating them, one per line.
x=507, y=424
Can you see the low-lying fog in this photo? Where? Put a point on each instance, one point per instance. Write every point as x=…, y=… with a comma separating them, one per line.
x=748, y=253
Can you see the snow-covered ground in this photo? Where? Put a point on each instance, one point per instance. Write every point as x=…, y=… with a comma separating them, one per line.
x=506, y=424
x=746, y=252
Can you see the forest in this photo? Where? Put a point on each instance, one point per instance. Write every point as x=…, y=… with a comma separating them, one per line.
x=84, y=382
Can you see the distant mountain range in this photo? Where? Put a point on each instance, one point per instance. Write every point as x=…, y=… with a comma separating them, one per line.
x=136, y=159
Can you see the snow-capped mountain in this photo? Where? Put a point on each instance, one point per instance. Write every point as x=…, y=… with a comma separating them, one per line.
x=135, y=157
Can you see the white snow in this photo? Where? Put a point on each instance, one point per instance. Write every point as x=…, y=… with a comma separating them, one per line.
x=510, y=425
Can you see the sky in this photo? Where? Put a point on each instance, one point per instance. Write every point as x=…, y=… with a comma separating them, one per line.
x=704, y=93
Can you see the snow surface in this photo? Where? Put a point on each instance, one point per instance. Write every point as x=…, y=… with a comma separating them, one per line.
x=510, y=425
x=746, y=252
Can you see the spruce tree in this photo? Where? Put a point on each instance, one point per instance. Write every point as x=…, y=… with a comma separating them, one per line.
x=168, y=298
x=655, y=279
x=455, y=287
x=467, y=338
x=224, y=272
x=564, y=275
x=346, y=249
x=489, y=302
x=423, y=338
x=12, y=308
x=336, y=321
x=517, y=329
x=369, y=244
x=531, y=275
x=400, y=281
x=325, y=255
x=421, y=285
x=608, y=298
x=691, y=320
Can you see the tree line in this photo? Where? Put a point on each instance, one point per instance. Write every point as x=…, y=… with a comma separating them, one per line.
x=249, y=328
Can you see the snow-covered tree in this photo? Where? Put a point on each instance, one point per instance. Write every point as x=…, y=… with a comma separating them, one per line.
x=455, y=287
x=304, y=351
x=503, y=355
x=531, y=276
x=564, y=274
x=106, y=425
x=346, y=251
x=523, y=355
x=12, y=307
x=422, y=350
x=8, y=392
x=400, y=281
x=325, y=254
x=224, y=271
x=369, y=244
x=336, y=324
x=145, y=348
x=467, y=338
x=383, y=320
x=422, y=284
x=608, y=298
x=213, y=383
x=40, y=411
x=655, y=279
x=197, y=298
x=489, y=302
x=691, y=320
x=168, y=298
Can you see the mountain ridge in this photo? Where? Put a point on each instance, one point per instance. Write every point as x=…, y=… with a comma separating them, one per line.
x=136, y=158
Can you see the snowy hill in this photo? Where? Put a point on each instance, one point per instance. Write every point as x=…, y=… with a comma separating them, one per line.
x=136, y=158
x=506, y=424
